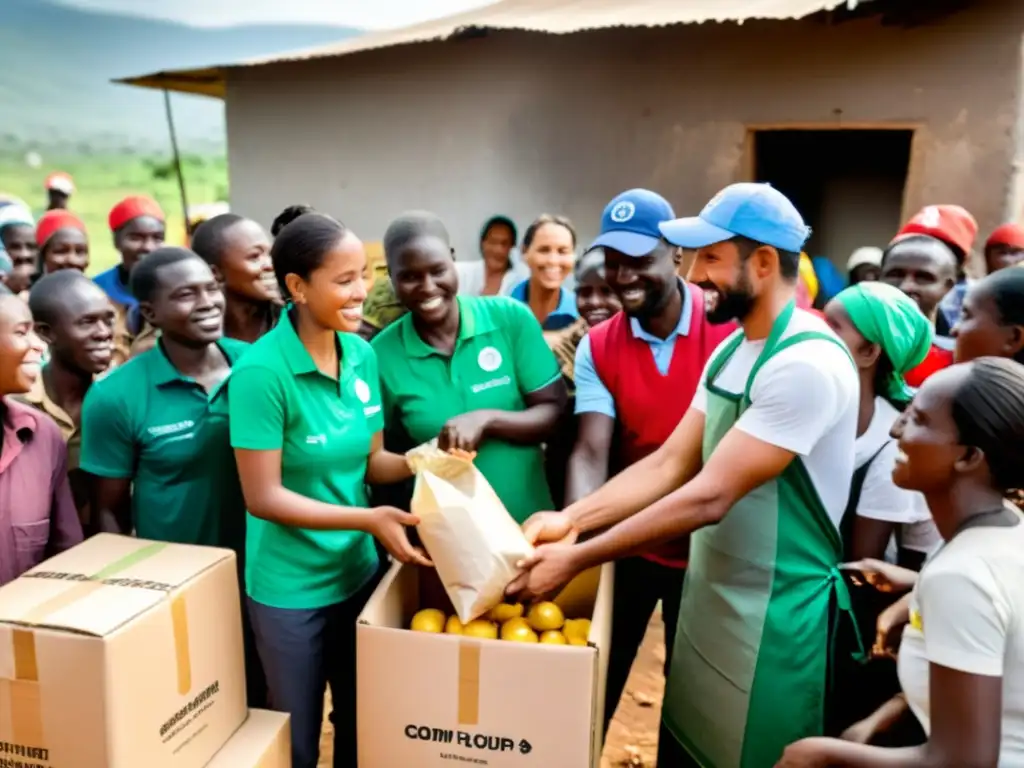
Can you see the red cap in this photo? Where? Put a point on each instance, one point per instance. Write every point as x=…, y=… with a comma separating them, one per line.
x=951, y=224
x=51, y=221
x=132, y=208
x=1008, y=234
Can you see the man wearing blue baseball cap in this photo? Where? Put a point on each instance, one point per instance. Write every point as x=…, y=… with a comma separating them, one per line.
x=635, y=375
x=759, y=470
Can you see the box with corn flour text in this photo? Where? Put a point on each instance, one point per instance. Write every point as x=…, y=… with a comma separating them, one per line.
x=444, y=700
x=121, y=653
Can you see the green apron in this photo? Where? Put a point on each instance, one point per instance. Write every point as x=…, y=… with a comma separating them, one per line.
x=750, y=661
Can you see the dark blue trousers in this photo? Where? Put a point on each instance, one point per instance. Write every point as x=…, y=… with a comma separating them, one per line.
x=304, y=651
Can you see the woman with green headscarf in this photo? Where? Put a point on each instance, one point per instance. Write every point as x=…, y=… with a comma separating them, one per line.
x=887, y=336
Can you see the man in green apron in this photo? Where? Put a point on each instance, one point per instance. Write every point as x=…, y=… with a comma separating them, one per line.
x=759, y=470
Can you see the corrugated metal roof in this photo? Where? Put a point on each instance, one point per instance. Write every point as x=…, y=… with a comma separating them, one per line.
x=556, y=17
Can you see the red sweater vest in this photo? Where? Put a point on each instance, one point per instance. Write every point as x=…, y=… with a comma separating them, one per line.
x=648, y=405
x=936, y=359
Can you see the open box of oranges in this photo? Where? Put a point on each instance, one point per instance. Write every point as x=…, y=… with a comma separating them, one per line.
x=520, y=680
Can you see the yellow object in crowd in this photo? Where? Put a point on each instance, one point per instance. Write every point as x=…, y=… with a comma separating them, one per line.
x=808, y=275
x=553, y=637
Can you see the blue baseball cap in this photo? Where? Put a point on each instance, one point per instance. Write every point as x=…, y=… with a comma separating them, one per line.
x=630, y=222
x=758, y=212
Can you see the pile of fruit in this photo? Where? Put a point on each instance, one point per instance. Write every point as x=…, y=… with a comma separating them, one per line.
x=543, y=623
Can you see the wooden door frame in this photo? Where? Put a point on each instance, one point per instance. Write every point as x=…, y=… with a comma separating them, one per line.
x=748, y=163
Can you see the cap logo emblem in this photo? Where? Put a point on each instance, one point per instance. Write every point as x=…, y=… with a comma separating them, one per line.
x=931, y=217
x=623, y=212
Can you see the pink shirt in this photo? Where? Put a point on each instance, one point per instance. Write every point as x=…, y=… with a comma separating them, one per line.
x=37, y=514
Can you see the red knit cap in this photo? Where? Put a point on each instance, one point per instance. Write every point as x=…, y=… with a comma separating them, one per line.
x=1008, y=234
x=951, y=224
x=132, y=208
x=51, y=221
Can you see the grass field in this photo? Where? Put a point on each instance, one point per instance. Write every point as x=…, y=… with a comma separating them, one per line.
x=102, y=181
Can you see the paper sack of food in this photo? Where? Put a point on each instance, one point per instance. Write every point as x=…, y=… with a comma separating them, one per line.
x=472, y=539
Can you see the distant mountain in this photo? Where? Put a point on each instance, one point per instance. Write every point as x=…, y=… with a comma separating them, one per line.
x=56, y=64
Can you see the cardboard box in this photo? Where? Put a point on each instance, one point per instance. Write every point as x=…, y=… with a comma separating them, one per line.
x=263, y=741
x=121, y=653
x=433, y=701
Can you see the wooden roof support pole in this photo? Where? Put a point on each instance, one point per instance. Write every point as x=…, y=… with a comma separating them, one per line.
x=177, y=164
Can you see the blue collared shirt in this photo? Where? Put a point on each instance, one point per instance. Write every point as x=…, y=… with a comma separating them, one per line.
x=592, y=396
x=565, y=313
x=119, y=293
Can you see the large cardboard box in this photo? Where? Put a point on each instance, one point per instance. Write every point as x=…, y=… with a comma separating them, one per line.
x=121, y=653
x=263, y=741
x=433, y=701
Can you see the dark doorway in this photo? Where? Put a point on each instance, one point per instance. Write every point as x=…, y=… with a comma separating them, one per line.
x=848, y=184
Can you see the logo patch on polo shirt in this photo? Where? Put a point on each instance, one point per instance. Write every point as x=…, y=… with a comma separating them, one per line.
x=362, y=391
x=623, y=212
x=171, y=429
x=489, y=359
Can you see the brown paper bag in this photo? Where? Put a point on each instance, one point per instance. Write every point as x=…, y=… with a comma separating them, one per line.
x=472, y=539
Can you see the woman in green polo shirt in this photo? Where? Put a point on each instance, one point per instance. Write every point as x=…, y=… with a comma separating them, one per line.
x=474, y=372
x=306, y=427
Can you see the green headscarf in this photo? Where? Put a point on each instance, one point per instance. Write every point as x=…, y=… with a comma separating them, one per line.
x=886, y=316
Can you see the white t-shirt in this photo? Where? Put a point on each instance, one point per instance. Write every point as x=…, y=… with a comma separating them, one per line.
x=805, y=400
x=472, y=277
x=880, y=497
x=965, y=614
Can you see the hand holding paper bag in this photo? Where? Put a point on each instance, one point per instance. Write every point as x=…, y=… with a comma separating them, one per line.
x=473, y=541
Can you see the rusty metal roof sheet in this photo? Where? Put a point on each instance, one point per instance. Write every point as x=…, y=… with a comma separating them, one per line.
x=556, y=17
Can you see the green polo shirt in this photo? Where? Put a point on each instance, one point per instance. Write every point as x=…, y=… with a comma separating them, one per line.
x=500, y=356
x=146, y=422
x=323, y=427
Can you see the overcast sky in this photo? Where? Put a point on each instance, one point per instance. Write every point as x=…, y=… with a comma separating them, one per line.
x=372, y=14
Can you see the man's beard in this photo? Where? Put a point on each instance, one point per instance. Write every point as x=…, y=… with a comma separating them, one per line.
x=731, y=303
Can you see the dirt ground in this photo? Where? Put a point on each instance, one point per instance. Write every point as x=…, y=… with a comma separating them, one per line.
x=633, y=736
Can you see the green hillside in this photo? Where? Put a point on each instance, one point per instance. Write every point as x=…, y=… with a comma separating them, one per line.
x=56, y=64
x=104, y=180
x=61, y=110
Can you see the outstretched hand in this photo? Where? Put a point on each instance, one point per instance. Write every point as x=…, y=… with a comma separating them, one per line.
x=545, y=572
x=550, y=528
x=806, y=753
x=883, y=576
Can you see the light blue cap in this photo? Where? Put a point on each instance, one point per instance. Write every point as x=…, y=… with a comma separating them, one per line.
x=757, y=212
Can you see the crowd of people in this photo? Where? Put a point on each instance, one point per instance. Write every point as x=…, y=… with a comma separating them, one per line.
x=802, y=467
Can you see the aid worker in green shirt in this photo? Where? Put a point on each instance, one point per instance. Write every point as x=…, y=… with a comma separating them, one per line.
x=306, y=426
x=155, y=439
x=474, y=372
x=154, y=430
